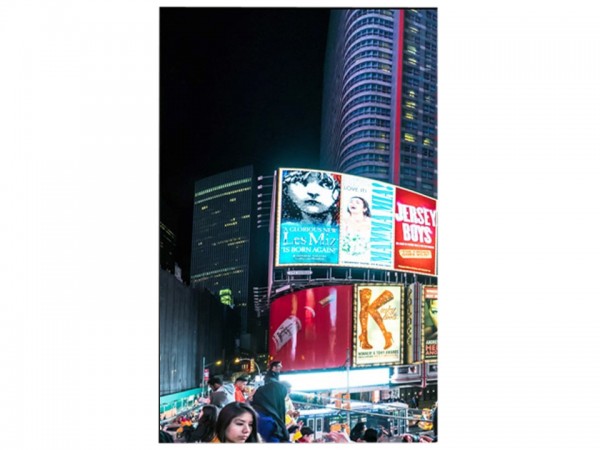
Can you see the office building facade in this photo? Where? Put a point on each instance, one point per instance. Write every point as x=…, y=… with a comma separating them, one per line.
x=220, y=257
x=380, y=96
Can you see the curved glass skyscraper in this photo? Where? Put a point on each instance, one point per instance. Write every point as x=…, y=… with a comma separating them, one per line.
x=380, y=96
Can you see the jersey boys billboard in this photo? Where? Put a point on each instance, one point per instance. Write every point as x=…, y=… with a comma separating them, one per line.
x=310, y=329
x=328, y=218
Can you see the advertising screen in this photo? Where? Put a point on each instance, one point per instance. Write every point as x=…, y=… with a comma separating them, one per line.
x=416, y=232
x=430, y=322
x=310, y=329
x=332, y=219
x=377, y=332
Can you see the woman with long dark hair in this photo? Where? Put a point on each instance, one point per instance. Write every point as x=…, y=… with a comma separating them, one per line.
x=237, y=424
x=205, y=431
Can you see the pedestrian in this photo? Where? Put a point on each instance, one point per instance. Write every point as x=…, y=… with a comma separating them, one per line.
x=273, y=372
x=370, y=435
x=308, y=435
x=240, y=385
x=237, y=424
x=269, y=403
x=222, y=394
x=205, y=430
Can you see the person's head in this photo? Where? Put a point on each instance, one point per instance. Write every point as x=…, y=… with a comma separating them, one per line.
x=275, y=366
x=215, y=382
x=237, y=423
x=205, y=431
x=310, y=196
x=359, y=206
x=241, y=382
x=307, y=433
x=432, y=309
x=357, y=431
x=370, y=435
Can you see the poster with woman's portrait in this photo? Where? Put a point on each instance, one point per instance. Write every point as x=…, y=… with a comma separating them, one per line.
x=310, y=217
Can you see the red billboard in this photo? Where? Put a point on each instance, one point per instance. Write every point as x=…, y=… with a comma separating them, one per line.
x=310, y=329
x=416, y=232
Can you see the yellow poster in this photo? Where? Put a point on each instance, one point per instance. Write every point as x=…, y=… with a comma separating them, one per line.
x=377, y=325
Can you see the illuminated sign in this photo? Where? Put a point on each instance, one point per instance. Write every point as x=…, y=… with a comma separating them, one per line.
x=310, y=328
x=430, y=323
x=378, y=330
x=332, y=219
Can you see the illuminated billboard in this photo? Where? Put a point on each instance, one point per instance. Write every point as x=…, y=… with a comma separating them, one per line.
x=332, y=219
x=430, y=323
x=378, y=331
x=310, y=328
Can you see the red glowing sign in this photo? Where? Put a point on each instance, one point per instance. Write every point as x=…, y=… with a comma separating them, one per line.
x=310, y=329
x=416, y=233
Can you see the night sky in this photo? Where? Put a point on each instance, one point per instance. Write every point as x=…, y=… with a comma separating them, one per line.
x=238, y=86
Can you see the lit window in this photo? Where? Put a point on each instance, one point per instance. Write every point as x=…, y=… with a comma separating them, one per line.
x=409, y=137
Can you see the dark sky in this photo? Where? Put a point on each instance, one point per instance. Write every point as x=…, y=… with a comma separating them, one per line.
x=238, y=86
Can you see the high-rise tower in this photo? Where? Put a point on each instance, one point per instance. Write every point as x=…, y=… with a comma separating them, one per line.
x=221, y=237
x=380, y=96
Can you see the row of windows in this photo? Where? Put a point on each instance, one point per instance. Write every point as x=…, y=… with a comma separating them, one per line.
x=430, y=47
x=408, y=159
x=411, y=81
x=372, y=157
x=430, y=109
x=367, y=32
x=222, y=186
x=369, y=170
x=428, y=163
x=366, y=99
x=369, y=145
x=366, y=122
x=427, y=175
x=428, y=119
x=408, y=148
x=371, y=87
x=375, y=65
x=363, y=12
x=368, y=110
x=369, y=54
x=370, y=21
x=408, y=171
x=369, y=76
x=367, y=43
x=235, y=191
x=376, y=134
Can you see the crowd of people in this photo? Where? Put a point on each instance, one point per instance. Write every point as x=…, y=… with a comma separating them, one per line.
x=265, y=415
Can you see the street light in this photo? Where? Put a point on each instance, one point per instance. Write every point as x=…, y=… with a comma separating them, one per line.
x=204, y=377
x=238, y=360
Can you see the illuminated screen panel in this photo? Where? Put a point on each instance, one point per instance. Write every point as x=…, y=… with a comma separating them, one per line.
x=332, y=219
x=430, y=322
x=416, y=233
x=310, y=329
x=378, y=331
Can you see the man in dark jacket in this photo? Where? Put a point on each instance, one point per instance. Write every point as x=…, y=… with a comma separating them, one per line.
x=273, y=372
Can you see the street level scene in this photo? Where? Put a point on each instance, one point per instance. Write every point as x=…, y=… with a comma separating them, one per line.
x=298, y=284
